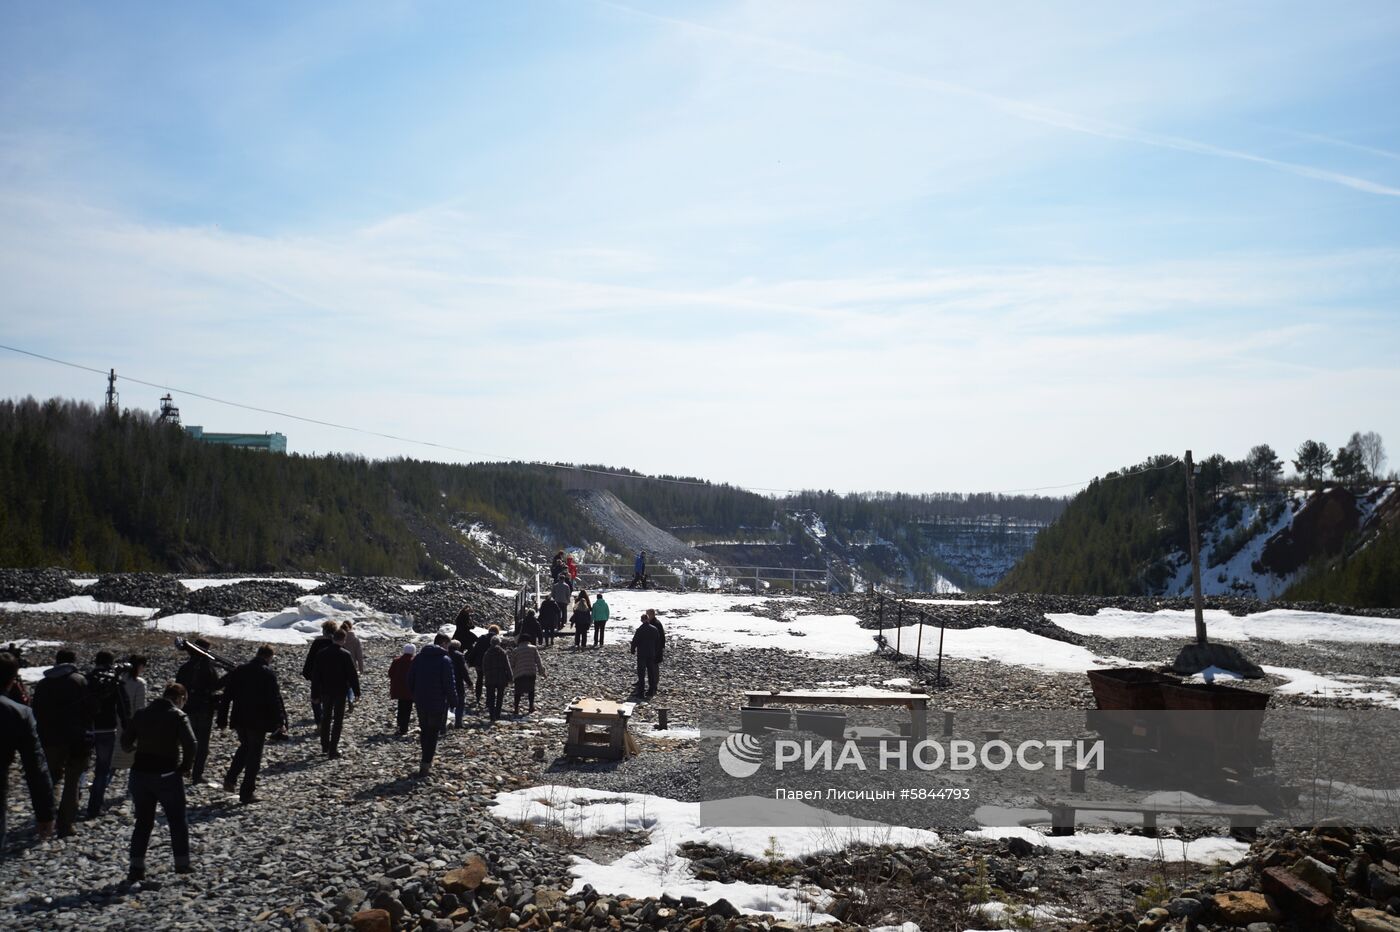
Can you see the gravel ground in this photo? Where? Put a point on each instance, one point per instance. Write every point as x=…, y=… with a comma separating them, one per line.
x=333, y=837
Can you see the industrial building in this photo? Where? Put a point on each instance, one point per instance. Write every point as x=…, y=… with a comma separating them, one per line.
x=271, y=443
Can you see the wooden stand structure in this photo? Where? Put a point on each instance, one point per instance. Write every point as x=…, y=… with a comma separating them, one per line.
x=598, y=728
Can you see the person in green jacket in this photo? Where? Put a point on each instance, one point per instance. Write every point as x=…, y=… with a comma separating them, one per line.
x=600, y=619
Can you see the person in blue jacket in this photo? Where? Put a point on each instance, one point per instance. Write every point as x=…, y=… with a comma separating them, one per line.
x=434, y=688
x=639, y=570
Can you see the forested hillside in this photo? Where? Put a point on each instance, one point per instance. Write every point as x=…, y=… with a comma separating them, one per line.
x=1113, y=537
x=1260, y=536
x=95, y=491
x=1370, y=576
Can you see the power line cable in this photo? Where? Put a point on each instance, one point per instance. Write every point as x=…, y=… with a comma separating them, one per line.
x=488, y=456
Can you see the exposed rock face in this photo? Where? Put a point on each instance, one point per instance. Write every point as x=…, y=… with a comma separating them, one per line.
x=630, y=529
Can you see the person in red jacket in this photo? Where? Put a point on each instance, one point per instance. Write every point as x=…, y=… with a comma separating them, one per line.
x=398, y=686
x=573, y=568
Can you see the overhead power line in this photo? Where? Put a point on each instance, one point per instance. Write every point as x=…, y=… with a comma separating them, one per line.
x=488, y=456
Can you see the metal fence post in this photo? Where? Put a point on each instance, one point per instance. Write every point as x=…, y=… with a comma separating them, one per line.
x=880, y=610
x=899, y=630
x=919, y=650
x=938, y=677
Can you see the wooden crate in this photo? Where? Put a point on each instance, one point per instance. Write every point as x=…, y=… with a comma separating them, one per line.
x=598, y=728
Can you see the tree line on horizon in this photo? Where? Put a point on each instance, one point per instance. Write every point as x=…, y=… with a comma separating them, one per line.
x=101, y=491
x=97, y=491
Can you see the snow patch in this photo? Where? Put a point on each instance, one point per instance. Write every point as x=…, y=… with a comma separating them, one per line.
x=297, y=624
x=80, y=605
x=657, y=868
x=195, y=584
x=955, y=603
x=1343, y=686
x=677, y=733
x=1273, y=625
x=1199, y=851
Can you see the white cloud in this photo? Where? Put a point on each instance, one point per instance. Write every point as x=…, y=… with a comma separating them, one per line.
x=774, y=383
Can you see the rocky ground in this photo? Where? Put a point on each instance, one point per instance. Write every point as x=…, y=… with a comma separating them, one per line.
x=333, y=839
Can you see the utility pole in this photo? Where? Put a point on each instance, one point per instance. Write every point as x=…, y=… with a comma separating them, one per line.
x=1195, y=549
x=112, y=396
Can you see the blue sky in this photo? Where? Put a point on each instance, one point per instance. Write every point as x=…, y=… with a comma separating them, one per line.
x=903, y=246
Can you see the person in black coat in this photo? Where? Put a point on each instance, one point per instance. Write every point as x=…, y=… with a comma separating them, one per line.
x=660, y=635
x=326, y=639
x=256, y=700
x=19, y=735
x=110, y=711
x=648, y=642
x=474, y=660
x=334, y=681
x=464, y=634
x=63, y=708
x=530, y=627
x=464, y=679
x=550, y=620
x=164, y=744
x=582, y=620
x=202, y=682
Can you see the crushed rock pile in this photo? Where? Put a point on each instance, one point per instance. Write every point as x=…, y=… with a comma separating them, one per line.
x=1333, y=877
x=47, y=585
x=152, y=590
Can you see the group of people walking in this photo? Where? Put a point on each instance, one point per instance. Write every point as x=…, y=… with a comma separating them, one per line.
x=102, y=719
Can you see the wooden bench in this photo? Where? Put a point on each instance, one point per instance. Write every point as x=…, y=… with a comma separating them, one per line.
x=822, y=724
x=1243, y=820
x=760, y=721
x=916, y=703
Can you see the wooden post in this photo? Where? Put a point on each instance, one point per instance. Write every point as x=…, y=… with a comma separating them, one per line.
x=880, y=615
x=1195, y=549
x=947, y=724
x=918, y=720
x=662, y=715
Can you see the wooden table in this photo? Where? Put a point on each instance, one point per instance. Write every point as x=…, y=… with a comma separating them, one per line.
x=916, y=703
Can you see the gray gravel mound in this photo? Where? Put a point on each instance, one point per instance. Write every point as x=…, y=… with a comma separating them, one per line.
x=35, y=585
x=252, y=596
x=162, y=591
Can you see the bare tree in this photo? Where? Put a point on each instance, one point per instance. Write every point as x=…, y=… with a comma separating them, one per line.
x=1372, y=451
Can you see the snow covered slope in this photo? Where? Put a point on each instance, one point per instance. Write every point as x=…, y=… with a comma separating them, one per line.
x=1260, y=546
